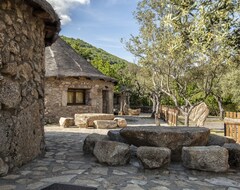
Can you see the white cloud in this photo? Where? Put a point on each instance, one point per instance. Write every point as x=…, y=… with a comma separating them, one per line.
x=63, y=8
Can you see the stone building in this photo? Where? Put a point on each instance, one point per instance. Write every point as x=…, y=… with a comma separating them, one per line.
x=73, y=85
x=26, y=27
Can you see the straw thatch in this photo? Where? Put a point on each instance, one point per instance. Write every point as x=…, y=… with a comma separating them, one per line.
x=44, y=10
x=63, y=61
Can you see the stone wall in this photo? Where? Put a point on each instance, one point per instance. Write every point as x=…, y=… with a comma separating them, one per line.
x=21, y=84
x=56, y=97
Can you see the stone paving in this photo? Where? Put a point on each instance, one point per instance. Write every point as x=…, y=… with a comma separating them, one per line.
x=65, y=162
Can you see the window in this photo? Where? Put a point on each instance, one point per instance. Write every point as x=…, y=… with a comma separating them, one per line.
x=76, y=97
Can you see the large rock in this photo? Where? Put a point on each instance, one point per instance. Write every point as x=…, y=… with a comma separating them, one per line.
x=112, y=153
x=199, y=114
x=234, y=154
x=66, y=122
x=121, y=122
x=173, y=138
x=86, y=120
x=105, y=124
x=206, y=158
x=3, y=168
x=90, y=141
x=114, y=135
x=219, y=140
x=154, y=157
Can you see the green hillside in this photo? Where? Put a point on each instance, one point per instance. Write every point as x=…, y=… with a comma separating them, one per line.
x=90, y=52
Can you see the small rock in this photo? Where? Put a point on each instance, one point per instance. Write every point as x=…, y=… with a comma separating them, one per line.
x=154, y=157
x=206, y=158
x=66, y=122
x=121, y=122
x=90, y=142
x=112, y=153
x=234, y=154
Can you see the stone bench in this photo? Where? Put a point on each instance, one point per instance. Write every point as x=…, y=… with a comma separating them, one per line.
x=105, y=124
x=87, y=119
x=134, y=111
x=173, y=138
x=154, y=157
x=205, y=158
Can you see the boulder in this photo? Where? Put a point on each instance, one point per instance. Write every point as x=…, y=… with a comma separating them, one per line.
x=112, y=153
x=114, y=135
x=173, y=138
x=134, y=111
x=86, y=120
x=66, y=122
x=154, y=157
x=234, y=154
x=206, y=158
x=199, y=114
x=91, y=140
x=121, y=122
x=105, y=124
x=219, y=140
x=3, y=168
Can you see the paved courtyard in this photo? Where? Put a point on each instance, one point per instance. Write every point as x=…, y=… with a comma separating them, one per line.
x=65, y=162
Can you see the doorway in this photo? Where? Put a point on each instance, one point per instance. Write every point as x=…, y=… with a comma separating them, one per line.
x=105, y=101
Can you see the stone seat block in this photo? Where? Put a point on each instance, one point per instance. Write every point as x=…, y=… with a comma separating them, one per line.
x=114, y=135
x=154, y=157
x=121, y=122
x=90, y=141
x=134, y=111
x=234, y=154
x=218, y=140
x=112, y=153
x=66, y=122
x=105, y=124
x=86, y=120
x=205, y=158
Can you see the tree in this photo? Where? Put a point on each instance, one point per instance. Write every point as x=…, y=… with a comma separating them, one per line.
x=186, y=44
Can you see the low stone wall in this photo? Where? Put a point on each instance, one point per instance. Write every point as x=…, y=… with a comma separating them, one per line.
x=56, y=97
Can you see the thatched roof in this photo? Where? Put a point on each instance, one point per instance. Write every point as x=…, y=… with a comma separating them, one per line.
x=43, y=10
x=63, y=61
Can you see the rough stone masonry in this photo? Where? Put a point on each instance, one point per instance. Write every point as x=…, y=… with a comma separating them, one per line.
x=26, y=27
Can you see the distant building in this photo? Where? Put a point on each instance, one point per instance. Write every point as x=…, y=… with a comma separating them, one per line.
x=73, y=85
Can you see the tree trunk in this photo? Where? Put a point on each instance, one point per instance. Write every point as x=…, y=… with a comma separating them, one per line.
x=186, y=119
x=221, y=110
x=157, y=120
x=153, y=107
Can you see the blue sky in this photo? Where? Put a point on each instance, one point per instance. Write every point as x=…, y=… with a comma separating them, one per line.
x=101, y=23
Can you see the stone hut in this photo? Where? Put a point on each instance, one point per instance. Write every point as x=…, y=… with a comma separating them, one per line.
x=73, y=85
x=26, y=27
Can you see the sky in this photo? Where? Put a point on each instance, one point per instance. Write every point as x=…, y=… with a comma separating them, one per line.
x=102, y=23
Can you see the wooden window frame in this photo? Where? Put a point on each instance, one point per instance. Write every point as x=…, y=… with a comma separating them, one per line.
x=75, y=90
